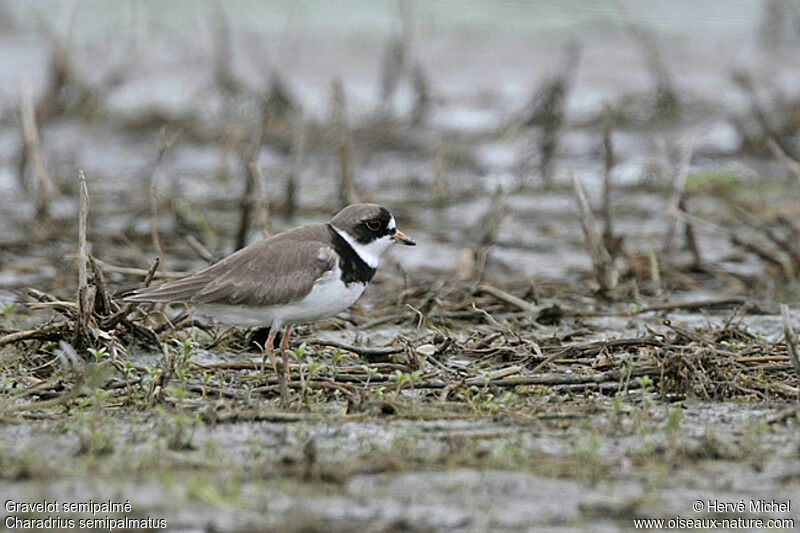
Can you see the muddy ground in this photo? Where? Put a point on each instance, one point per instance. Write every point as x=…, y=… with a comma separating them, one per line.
x=515, y=370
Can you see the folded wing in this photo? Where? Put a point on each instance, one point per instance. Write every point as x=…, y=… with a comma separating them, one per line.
x=274, y=271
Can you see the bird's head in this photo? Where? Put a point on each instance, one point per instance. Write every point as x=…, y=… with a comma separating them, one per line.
x=370, y=229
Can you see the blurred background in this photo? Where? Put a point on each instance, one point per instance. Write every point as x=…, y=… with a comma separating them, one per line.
x=429, y=107
x=606, y=197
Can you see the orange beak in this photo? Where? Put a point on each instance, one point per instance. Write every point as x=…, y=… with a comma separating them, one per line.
x=400, y=237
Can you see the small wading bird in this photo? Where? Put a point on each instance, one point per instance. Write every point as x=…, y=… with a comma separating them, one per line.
x=302, y=275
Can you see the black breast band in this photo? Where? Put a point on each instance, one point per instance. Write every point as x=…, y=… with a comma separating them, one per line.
x=354, y=269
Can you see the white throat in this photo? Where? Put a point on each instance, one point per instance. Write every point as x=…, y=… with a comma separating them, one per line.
x=371, y=252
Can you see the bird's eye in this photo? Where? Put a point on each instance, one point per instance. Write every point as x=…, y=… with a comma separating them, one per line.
x=372, y=225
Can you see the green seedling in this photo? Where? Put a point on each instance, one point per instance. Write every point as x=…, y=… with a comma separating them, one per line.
x=371, y=371
x=97, y=354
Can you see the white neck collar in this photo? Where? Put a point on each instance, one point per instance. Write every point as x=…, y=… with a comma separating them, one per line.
x=370, y=252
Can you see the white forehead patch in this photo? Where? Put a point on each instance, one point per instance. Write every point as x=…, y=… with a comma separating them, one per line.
x=391, y=225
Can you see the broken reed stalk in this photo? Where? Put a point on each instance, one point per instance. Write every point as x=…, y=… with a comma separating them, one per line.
x=245, y=206
x=678, y=190
x=251, y=175
x=105, y=300
x=32, y=153
x=506, y=297
x=602, y=264
x=612, y=242
x=691, y=237
x=547, y=109
x=344, y=144
x=791, y=339
x=223, y=55
x=299, y=136
x=791, y=165
x=487, y=228
x=667, y=101
x=83, y=253
x=548, y=140
x=63, y=88
x=422, y=98
x=608, y=149
x=745, y=81
x=439, y=164
x=394, y=59
x=282, y=103
x=263, y=219
x=163, y=144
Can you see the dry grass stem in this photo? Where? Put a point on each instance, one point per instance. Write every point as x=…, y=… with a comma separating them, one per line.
x=673, y=208
x=32, y=153
x=344, y=143
x=603, y=266
x=83, y=252
x=263, y=219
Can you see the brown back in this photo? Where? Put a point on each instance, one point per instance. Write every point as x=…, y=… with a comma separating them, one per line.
x=274, y=271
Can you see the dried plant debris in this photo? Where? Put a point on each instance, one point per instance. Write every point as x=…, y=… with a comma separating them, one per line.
x=434, y=361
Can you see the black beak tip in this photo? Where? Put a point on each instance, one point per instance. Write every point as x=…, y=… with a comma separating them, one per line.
x=408, y=242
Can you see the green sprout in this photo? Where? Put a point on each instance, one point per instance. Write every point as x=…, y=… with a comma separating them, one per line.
x=98, y=354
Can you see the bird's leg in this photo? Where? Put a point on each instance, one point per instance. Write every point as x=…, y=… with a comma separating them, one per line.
x=284, y=347
x=269, y=345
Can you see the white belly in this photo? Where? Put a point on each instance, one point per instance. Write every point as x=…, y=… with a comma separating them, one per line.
x=328, y=297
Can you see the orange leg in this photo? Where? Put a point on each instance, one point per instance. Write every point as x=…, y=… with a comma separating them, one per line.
x=284, y=347
x=269, y=347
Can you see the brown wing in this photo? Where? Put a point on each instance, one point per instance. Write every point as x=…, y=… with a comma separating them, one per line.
x=274, y=271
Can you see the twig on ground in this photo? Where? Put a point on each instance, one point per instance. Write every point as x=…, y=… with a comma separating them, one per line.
x=126, y=309
x=370, y=354
x=45, y=332
x=504, y=296
x=139, y=272
x=713, y=303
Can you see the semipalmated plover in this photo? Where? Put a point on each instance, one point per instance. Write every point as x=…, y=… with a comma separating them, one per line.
x=299, y=276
